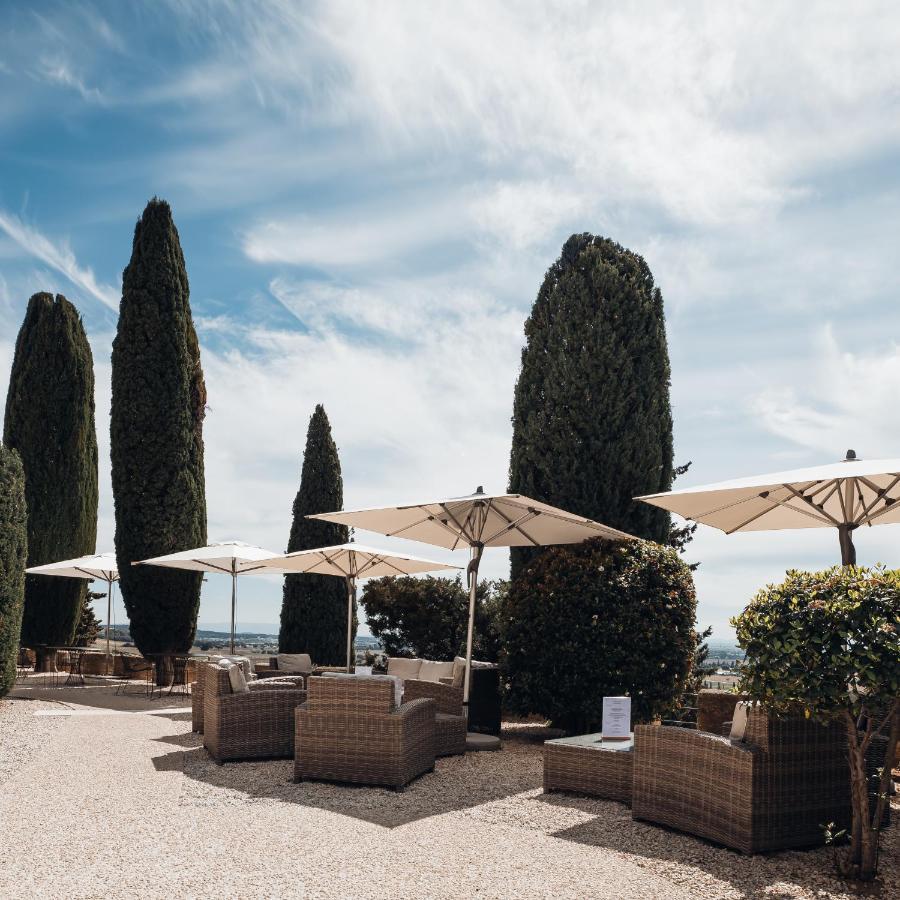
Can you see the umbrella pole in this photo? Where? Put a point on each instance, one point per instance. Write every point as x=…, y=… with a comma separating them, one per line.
x=351, y=596
x=848, y=550
x=233, y=592
x=472, y=572
x=109, y=585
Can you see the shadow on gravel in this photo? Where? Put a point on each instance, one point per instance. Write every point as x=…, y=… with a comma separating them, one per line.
x=773, y=876
x=458, y=783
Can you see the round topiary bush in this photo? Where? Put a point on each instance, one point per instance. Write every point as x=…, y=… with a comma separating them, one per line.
x=598, y=619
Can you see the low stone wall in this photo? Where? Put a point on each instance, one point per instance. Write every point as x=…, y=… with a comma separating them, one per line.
x=714, y=708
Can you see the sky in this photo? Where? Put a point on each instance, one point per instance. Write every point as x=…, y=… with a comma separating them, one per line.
x=368, y=197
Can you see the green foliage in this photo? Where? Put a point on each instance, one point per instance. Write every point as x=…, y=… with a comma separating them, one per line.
x=828, y=643
x=314, y=607
x=156, y=430
x=592, y=423
x=13, y=551
x=599, y=619
x=810, y=638
x=50, y=421
x=427, y=617
x=89, y=626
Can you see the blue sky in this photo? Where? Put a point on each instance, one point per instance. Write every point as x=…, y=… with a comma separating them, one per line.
x=368, y=196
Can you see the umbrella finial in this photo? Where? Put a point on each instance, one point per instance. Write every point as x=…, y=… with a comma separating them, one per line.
x=851, y=456
x=479, y=489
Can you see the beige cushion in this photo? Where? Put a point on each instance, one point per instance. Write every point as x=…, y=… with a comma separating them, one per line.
x=459, y=669
x=237, y=679
x=739, y=721
x=435, y=671
x=295, y=662
x=398, y=682
x=404, y=668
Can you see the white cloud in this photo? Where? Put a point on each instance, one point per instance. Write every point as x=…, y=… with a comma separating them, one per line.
x=59, y=257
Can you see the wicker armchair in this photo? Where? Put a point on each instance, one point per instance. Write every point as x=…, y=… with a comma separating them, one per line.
x=450, y=716
x=258, y=724
x=771, y=791
x=350, y=730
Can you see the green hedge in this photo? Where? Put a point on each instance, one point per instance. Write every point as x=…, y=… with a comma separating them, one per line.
x=13, y=550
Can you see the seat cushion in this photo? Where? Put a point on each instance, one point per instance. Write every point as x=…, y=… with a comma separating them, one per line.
x=295, y=662
x=404, y=668
x=435, y=671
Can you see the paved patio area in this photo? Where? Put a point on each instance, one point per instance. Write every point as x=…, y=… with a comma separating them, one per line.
x=110, y=797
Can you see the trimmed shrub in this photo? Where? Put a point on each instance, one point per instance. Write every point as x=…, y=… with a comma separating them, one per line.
x=314, y=607
x=50, y=422
x=599, y=619
x=13, y=551
x=828, y=643
x=156, y=430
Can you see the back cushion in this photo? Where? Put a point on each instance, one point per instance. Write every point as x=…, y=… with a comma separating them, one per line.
x=739, y=721
x=404, y=668
x=237, y=679
x=435, y=671
x=394, y=680
x=295, y=662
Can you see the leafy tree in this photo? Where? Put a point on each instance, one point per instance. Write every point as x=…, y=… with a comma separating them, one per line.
x=427, y=617
x=50, y=422
x=598, y=619
x=827, y=643
x=592, y=423
x=156, y=429
x=314, y=607
x=89, y=626
x=13, y=551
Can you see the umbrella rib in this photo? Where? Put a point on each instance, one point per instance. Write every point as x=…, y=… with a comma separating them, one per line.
x=513, y=525
x=462, y=529
x=203, y=562
x=429, y=517
x=508, y=519
x=880, y=494
x=824, y=515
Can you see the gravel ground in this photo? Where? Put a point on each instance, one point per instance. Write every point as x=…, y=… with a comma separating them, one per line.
x=139, y=811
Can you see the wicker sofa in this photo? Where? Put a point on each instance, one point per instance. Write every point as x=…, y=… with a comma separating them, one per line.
x=286, y=664
x=351, y=730
x=257, y=724
x=772, y=790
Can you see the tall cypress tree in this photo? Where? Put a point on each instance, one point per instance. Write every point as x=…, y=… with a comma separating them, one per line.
x=156, y=429
x=314, y=607
x=50, y=422
x=592, y=422
x=13, y=551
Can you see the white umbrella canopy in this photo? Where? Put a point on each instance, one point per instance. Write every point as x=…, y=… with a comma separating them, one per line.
x=841, y=495
x=226, y=557
x=477, y=521
x=99, y=566
x=352, y=561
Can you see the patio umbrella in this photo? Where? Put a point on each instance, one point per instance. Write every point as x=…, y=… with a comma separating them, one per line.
x=100, y=566
x=227, y=557
x=841, y=495
x=477, y=521
x=352, y=562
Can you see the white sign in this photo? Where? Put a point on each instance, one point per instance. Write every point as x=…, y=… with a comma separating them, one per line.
x=616, y=718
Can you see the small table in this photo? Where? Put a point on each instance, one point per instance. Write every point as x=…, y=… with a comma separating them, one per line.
x=76, y=654
x=587, y=764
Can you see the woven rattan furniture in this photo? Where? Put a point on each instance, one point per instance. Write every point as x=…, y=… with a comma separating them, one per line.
x=587, y=764
x=449, y=719
x=773, y=790
x=351, y=730
x=257, y=724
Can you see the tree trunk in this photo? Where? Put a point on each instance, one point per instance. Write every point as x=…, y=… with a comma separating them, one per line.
x=44, y=660
x=165, y=670
x=862, y=859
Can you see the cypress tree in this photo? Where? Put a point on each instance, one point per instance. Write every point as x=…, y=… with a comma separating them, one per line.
x=592, y=422
x=314, y=607
x=13, y=550
x=50, y=422
x=156, y=430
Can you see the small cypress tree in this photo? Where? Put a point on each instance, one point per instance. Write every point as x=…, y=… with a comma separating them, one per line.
x=314, y=607
x=13, y=551
x=50, y=422
x=156, y=430
x=592, y=423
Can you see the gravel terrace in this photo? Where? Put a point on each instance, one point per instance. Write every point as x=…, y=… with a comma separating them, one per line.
x=102, y=803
